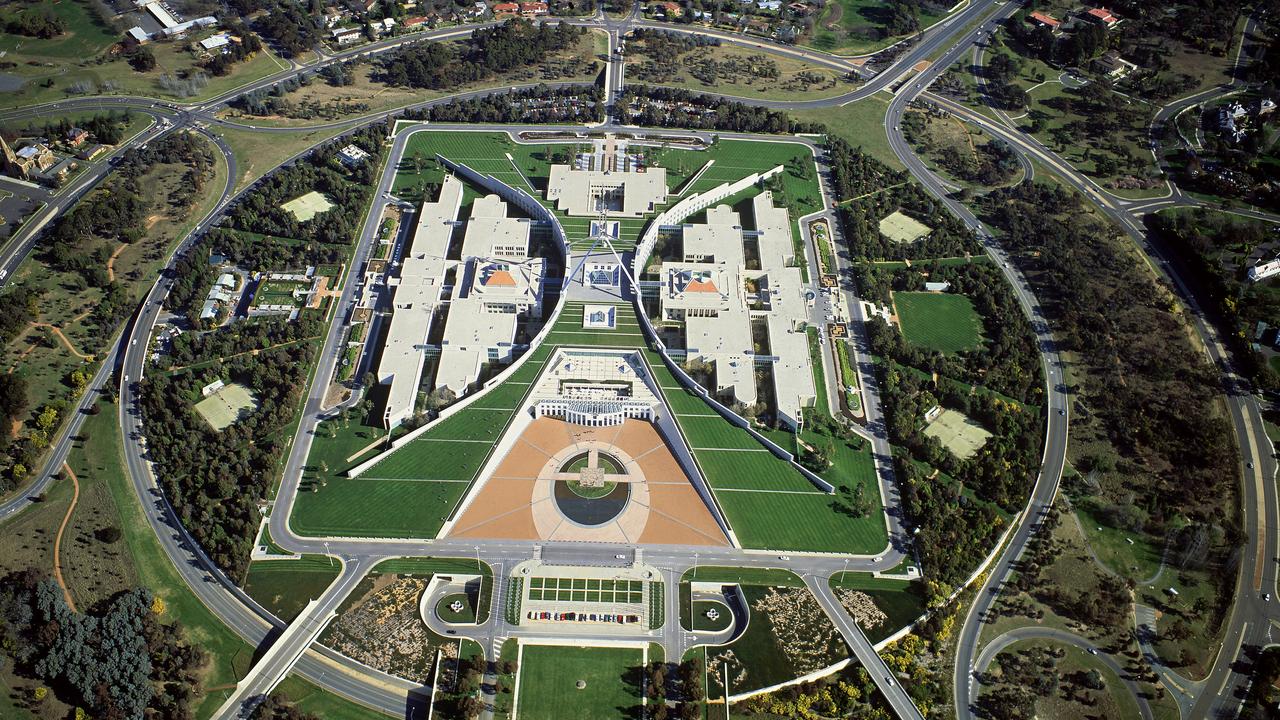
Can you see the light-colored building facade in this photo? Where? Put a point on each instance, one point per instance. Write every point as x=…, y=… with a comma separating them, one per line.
x=713, y=294
x=417, y=291
x=498, y=284
x=622, y=193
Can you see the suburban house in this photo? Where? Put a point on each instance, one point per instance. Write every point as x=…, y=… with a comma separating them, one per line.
x=506, y=8
x=1101, y=16
x=667, y=9
x=346, y=36
x=1112, y=65
x=533, y=9
x=1042, y=20
x=75, y=137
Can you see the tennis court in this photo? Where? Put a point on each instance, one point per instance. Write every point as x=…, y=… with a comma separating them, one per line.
x=228, y=405
x=307, y=206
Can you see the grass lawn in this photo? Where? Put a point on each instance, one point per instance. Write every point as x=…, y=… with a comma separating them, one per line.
x=467, y=614
x=308, y=698
x=722, y=621
x=733, y=77
x=860, y=123
x=742, y=576
x=763, y=495
x=549, y=677
x=286, y=586
x=853, y=27
x=945, y=322
x=735, y=159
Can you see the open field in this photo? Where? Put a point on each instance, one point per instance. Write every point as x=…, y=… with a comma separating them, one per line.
x=852, y=27
x=225, y=407
x=79, y=62
x=735, y=71
x=860, y=123
x=946, y=322
x=257, y=152
x=549, y=675
x=286, y=586
x=957, y=433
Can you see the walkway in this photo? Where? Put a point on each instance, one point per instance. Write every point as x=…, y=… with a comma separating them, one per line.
x=57, y=541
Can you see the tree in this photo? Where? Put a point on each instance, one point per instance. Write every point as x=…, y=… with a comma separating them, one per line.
x=142, y=59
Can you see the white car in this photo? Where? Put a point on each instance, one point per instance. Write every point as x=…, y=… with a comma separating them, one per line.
x=620, y=556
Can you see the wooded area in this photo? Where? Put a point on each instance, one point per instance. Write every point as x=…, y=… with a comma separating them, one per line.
x=118, y=660
x=216, y=479
x=870, y=191
x=541, y=104
x=1168, y=464
x=489, y=52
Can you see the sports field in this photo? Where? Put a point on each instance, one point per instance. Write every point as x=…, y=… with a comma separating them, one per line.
x=305, y=207
x=226, y=406
x=957, y=433
x=767, y=502
x=549, y=677
x=945, y=322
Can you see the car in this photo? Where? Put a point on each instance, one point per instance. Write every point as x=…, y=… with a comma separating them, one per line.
x=1249, y=465
x=1093, y=651
x=784, y=557
x=620, y=556
x=1062, y=412
x=1266, y=597
x=889, y=680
